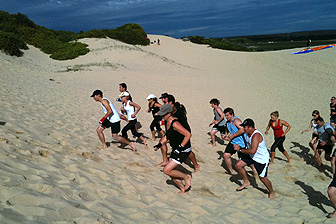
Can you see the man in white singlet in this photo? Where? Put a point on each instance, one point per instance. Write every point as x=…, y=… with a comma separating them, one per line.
x=258, y=155
x=111, y=120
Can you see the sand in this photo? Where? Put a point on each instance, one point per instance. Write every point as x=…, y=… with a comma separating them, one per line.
x=50, y=169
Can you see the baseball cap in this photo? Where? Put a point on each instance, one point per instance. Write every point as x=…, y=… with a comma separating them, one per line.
x=123, y=94
x=150, y=96
x=164, y=95
x=248, y=122
x=97, y=92
x=165, y=109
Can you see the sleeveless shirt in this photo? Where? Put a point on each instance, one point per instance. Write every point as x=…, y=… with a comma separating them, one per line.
x=277, y=129
x=262, y=155
x=129, y=111
x=175, y=138
x=239, y=140
x=114, y=117
x=217, y=117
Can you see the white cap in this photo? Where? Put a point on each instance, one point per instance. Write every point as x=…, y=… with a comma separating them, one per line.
x=150, y=96
x=123, y=94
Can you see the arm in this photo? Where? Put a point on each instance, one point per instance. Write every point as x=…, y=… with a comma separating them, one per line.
x=108, y=108
x=256, y=140
x=138, y=108
x=187, y=135
x=309, y=128
x=240, y=131
x=268, y=127
x=162, y=141
x=285, y=124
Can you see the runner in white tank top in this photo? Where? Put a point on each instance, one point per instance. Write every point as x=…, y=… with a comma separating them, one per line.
x=111, y=119
x=259, y=157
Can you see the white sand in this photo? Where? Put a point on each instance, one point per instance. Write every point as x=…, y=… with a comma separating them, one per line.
x=51, y=173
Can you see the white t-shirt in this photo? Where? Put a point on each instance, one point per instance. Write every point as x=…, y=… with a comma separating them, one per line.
x=129, y=111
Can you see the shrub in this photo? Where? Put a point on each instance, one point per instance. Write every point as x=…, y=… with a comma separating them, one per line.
x=11, y=43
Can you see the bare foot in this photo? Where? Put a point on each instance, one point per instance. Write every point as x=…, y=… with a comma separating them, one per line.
x=271, y=195
x=232, y=172
x=101, y=147
x=152, y=139
x=288, y=160
x=187, y=182
x=244, y=186
x=145, y=143
x=132, y=146
x=197, y=167
x=272, y=162
x=162, y=164
x=330, y=215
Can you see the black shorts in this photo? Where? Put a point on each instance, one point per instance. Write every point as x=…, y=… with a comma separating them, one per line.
x=327, y=148
x=115, y=127
x=179, y=157
x=333, y=183
x=261, y=168
x=221, y=129
x=229, y=149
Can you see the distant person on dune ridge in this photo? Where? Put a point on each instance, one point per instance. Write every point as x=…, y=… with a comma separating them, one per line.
x=309, y=43
x=110, y=119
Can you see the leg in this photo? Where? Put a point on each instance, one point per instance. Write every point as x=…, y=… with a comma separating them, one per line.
x=287, y=156
x=164, y=150
x=318, y=157
x=151, y=127
x=101, y=136
x=268, y=184
x=213, y=136
x=228, y=162
x=153, y=136
x=122, y=140
x=282, y=149
x=272, y=157
x=192, y=157
x=169, y=170
x=242, y=172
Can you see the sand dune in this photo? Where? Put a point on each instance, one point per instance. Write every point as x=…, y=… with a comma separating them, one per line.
x=51, y=172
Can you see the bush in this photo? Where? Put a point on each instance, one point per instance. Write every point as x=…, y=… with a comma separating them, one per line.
x=11, y=43
x=70, y=51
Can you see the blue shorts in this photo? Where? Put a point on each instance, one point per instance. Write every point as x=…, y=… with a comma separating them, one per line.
x=261, y=168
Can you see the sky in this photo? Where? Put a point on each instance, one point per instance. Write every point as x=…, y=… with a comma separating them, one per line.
x=179, y=18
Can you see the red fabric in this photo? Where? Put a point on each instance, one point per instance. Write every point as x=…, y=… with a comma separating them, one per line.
x=277, y=129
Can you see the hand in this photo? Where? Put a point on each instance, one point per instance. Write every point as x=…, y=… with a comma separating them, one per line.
x=266, y=132
x=133, y=115
x=157, y=146
x=180, y=148
x=102, y=120
x=302, y=132
x=210, y=124
x=283, y=135
x=236, y=147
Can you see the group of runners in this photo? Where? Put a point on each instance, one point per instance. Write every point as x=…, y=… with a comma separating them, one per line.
x=242, y=137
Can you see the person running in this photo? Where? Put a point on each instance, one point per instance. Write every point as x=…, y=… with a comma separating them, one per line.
x=235, y=137
x=123, y=88
x=154, y=107
x=326, y=135
x=258, y=156
x=333, y=112
x=332, y=187
x=131, y=109
x=313, y=142
x=218, y=121
x=179, y=140
x=181, y=114
x=110, y=119
x=279, y=135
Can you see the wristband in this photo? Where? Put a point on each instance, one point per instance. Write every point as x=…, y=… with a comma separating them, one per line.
x=102, y=120
x=159, y=145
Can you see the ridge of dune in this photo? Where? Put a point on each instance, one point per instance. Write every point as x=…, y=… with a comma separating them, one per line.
x=51, y=172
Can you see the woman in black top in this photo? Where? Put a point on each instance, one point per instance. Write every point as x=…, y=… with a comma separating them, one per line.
x=154, y=107
x=179, y=140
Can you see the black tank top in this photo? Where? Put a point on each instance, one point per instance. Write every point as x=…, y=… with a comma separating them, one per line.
x=175, y=138
x=154, y=110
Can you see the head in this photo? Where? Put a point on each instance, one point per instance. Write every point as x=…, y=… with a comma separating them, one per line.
x=122, y=87
x=171, y=99
x=165, y=111
x=229, y=114
x=248, y=126
x=151, y=98
x=274, y=116
x=124, y=96
x=214, y=103
x=97, y=95
x=333, y=100
x=319, y=121
x=315, y=114
x=164, y=98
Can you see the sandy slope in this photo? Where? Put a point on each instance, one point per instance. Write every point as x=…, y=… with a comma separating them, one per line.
x=51, y=173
